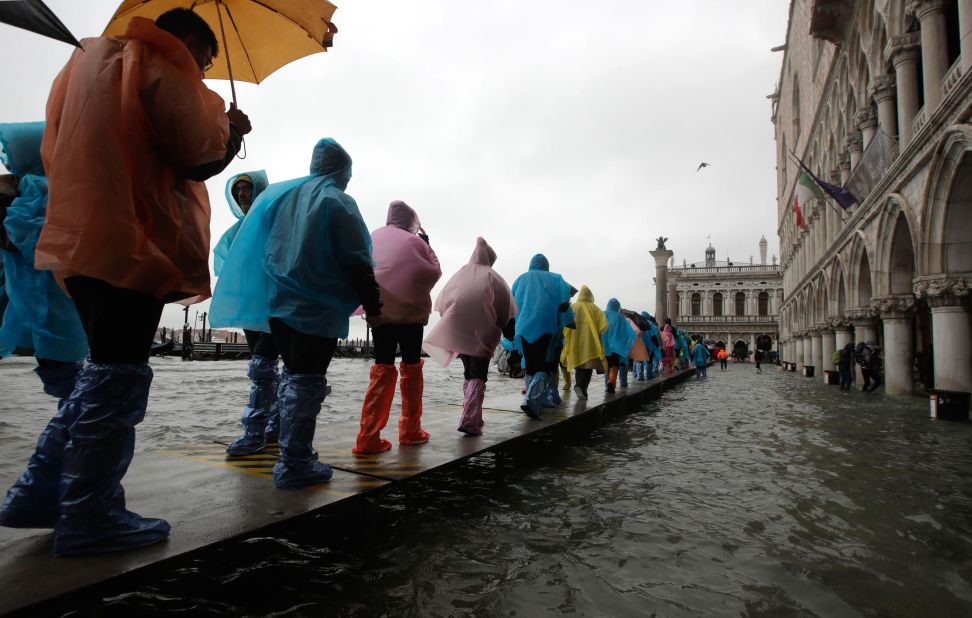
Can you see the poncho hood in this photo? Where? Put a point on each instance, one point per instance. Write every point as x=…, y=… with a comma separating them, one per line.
x=613, y=305
x=403, y=216
x=330, y=159
x=585, y=295
x=483, y=254
x=539, y=262
x=20, y=147
x=259, y=181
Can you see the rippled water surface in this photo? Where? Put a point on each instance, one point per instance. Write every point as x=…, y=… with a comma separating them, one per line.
x=741, y=495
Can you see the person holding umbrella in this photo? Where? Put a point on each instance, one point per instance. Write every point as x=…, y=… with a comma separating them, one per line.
x=127, y=231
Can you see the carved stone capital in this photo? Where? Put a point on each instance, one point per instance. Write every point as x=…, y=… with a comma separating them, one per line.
x=903, y=48
x=866, y=118
x=898, y=306
x=841, y=323
x=862, y=316
x=944, y=291
x=854, y=142
x=923, y=8
x=883, y=87
x=843, y=162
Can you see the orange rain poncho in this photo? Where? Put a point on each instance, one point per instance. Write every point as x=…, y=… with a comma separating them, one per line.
x=126, y=117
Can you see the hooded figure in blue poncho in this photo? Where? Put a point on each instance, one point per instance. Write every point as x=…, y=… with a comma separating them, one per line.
x=700, y=358
x=39, y=317
x=543, y=299
x=260, y=417
x=312, y=253
x=241, y=191
x=617, y=341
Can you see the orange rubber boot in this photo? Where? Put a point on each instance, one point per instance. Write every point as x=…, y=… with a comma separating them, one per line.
x=374, y=411
x=410, y=424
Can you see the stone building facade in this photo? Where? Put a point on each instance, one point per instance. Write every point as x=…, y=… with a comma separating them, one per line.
x=735, y=303
x=876, y=95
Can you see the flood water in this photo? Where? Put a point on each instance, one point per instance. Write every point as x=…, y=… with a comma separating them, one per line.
x=743, y=494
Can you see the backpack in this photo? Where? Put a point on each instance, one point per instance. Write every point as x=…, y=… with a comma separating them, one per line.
x=835, y=359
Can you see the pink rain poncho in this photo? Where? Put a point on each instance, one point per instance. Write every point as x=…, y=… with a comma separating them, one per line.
x=475, y=305
x=668, y=343
x=406, y=268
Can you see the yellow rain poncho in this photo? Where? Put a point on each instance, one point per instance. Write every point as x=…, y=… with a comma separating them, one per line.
x=583, y=343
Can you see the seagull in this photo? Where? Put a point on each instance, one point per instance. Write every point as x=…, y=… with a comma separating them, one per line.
x=701, y=165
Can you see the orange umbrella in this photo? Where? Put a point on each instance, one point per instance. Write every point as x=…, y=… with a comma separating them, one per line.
x=257, y=37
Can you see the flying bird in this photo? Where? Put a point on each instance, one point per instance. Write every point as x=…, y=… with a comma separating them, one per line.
x=701, y=165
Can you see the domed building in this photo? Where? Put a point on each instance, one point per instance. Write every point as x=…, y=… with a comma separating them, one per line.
x=737, y=303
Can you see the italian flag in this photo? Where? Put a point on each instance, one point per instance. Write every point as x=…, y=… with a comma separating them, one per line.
x=806, y=190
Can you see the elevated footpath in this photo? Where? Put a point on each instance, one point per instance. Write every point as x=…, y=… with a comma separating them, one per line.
x=210, y=499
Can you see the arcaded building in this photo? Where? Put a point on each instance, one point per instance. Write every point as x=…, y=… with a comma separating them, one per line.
x=733, y=302
x=876, y=96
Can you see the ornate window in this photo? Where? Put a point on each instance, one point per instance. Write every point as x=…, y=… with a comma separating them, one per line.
x=696, y=304
x=762, y=302
x=740, y=303
x=717, y=304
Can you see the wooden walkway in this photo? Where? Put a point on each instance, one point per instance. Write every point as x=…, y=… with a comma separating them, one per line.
x=210, y=499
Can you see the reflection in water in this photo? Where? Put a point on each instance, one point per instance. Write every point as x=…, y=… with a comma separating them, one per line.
x=744, y=494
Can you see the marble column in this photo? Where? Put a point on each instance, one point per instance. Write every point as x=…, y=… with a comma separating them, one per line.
x=866, y=121
x=808, y=349
x=965, y=33
x=864, y=330
x=816, y=350
x=843, y=164
x=661, y=283
x=829, y=346
x=903, y=52
x=883, y=90
x=951, y=307
x=899, y=354
x=798, y=351
x=843, y=334
x=855, y=147
x=934, y=49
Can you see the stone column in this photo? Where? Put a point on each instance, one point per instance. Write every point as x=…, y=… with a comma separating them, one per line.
x=903, y=52
x=934, y=48
x=965, y=33
x=899, y=354
x=842, y=331
x=882, y=89
x=843, y=164
x=661, y=283
x=829, y=346
x=816, y=350
x=866, y=121
x=855, y=147
x=864, y=330
x=951, y=330
x=797, y=350
x=808, y=349
x=673, y=308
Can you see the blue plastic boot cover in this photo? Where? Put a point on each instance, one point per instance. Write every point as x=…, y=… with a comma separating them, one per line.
x=107, y=403
x=299, y=401
x=58, y=380
x=263, y=377
x=32, y=501
x=273, y=416
x=551, y=398
x=534, y=395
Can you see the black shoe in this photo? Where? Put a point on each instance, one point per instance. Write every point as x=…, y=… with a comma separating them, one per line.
x=609, y=388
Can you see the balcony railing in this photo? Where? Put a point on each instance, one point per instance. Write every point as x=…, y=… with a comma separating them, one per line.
x=748, y=268
x=727, y=319
x=952, y=77
x=919, y=121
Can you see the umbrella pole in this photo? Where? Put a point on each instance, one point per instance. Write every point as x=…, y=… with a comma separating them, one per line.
x=229, y=65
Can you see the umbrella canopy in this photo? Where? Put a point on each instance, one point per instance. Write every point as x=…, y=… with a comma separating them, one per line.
x=256, y=37
x=33, y=15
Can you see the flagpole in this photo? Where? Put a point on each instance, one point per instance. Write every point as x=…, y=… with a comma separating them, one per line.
x=844, y=215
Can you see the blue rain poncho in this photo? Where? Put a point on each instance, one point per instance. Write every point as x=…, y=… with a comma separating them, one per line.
x=619, y=337
x=39, y=316
x=294, y=254
x=652, y=338
x=543, y=299
x=259, y=181
x=699, y=354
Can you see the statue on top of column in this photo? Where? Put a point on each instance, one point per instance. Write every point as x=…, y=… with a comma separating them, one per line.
x=661, y=243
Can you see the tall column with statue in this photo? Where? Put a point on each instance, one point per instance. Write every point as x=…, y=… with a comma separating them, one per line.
x=661, y=255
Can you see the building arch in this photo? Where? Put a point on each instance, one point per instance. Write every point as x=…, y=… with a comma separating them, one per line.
x=861, y=277
x=946, y=229
x=895, y=259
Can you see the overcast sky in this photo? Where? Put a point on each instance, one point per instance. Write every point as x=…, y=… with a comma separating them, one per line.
x=568, y=128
